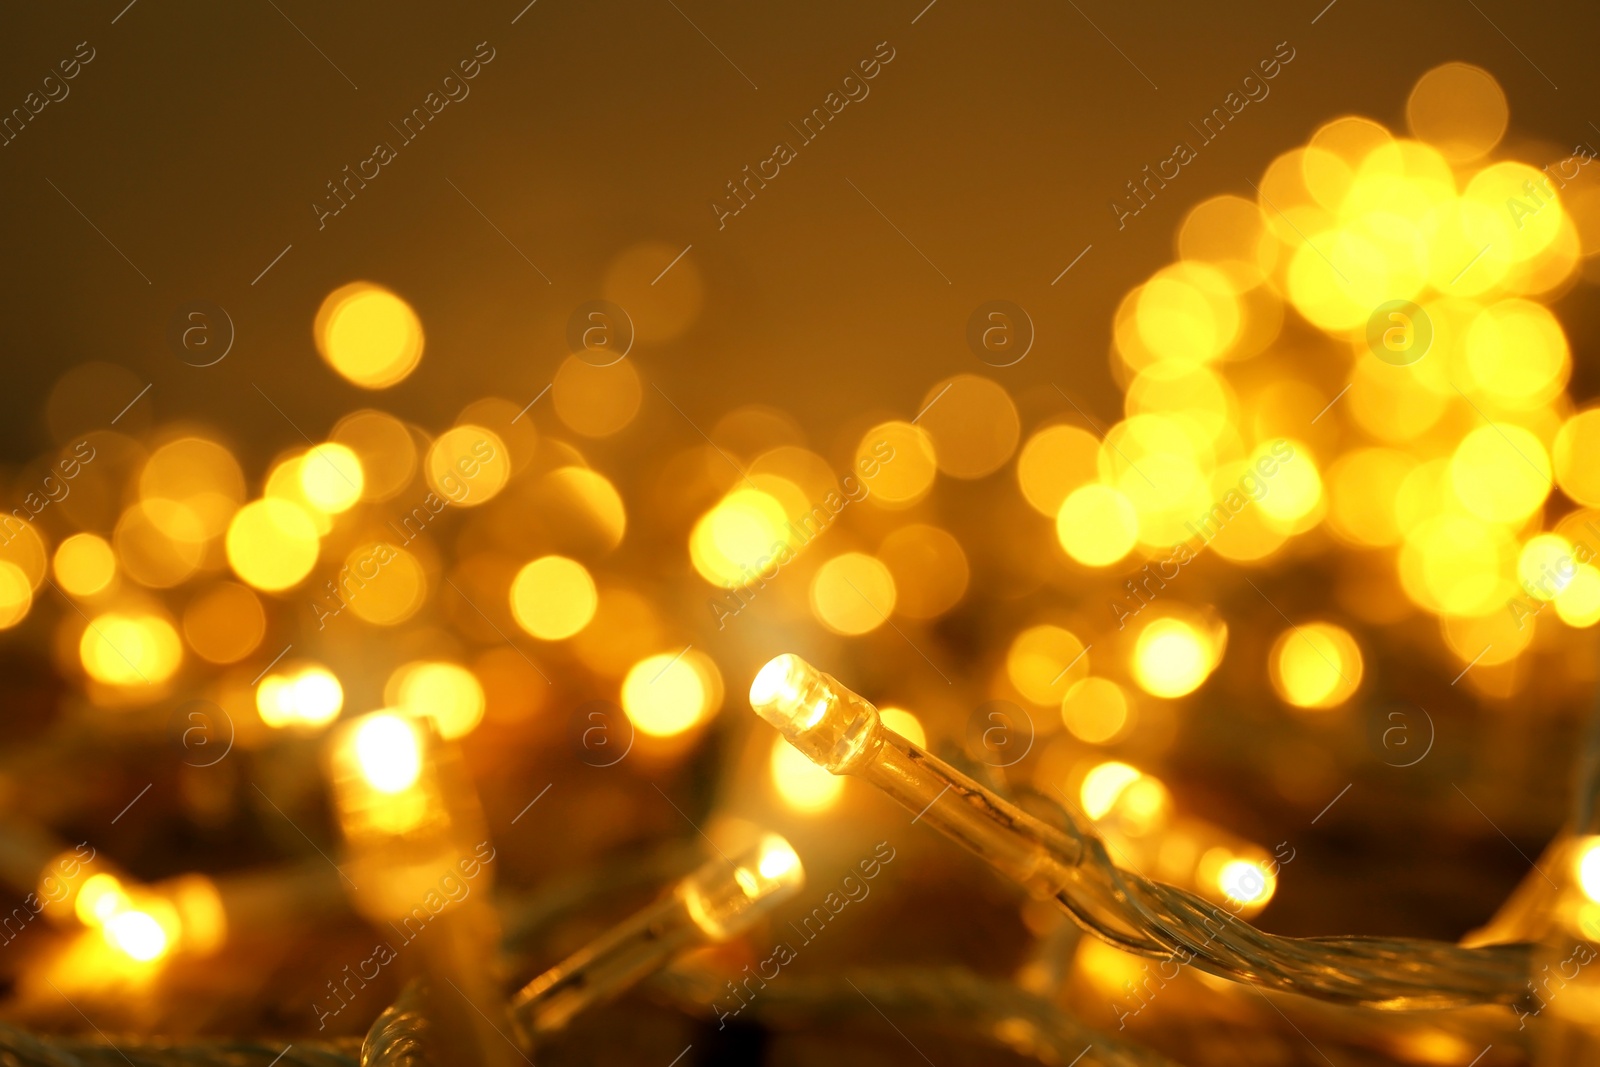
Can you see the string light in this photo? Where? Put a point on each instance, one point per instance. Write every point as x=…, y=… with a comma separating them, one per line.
x=715, y=903
x=841, y=732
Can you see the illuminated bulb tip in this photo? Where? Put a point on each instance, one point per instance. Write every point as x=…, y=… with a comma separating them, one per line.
x=775, y=694
x=777, y=862
x=828, y=723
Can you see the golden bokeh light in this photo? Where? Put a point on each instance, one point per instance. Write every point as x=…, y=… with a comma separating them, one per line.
x=127, y=649
x=447, y=693
x=1577, y=457
x=468, y=465
x=804, y=786
x=152, y=556
x=905, y=724
x=370, y=336
x=137, y=934
x=1500, y=473
x=284, y=483
x=1045, y=661
x=381, y=584
x=1188, y=313
x=1578, y=604
x=553, y=598
x=973, y=423
x=22, y=546
x=1172, y=657
x=384, y=447
x=666, y=694
x=1243, y=881
x=99, y=898
x=331, y=478
x=1363, y=485
x=191, y=488
x=1097, y=525
x=388, y=752
x=1104, y=783
x=903, y=460
x=299, y=696
x=1054, y=462
x=1586, y=867
x=853, y=593
x=591, y=510
x=1315, y=665
x=16, y=595
x=84, y=564
x=596, y=401
x=224, y=623
x=1458, y=565
x=1459, y=109
x=1095, y=710
x=1545, y=566
x=746, y=532
x=1517, y=353
x=272, y=544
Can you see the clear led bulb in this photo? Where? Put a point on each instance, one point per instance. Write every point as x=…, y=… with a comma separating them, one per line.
x=718, y=901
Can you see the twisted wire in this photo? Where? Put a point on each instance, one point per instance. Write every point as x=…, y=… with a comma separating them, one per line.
x=1153, y=919
x=18, y=1048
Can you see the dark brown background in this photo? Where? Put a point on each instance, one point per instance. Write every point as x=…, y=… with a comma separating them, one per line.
x=201, y=133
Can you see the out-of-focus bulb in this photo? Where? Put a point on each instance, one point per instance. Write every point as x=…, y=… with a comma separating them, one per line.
x=1104, y=785
x=388, y=752
x=722, y=902
x=136, y=934
x=1246, y=882
x=1588, y=869
x=101, y=897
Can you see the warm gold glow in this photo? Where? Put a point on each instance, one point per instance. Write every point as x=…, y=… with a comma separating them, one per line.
x=1587, y=868
x=1246, y=882
x=1095, y=710
x=16, y=595
x=130, y=649
x=596, y=401
x=306, y=697
x=746, y=532
x=803, y=785
x=331, y=478
x=553, y=598
x=468, y=465
x=448, y=694
x=84, y=565
x=905, y=724
x=272, y=544
x=388, y=752
x=1054, y=462
x=852, y=593
x=1316, y=665
x=1103, y=785
x=973, y=423
x=1172, y=657
x=369, y=335
x=903, y=461
x=101, y=897
x=224, y=623
x=667, y=694
x=1044, y=662
x=136, y=934
x=1097, y=525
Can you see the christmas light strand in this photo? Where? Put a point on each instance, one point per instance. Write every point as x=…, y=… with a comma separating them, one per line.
x=841, y=731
